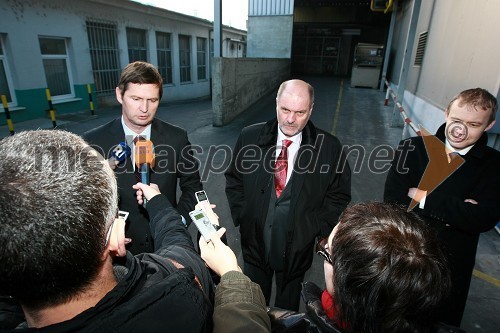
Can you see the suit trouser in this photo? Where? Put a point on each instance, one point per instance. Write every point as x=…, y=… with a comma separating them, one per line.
x=287, y=296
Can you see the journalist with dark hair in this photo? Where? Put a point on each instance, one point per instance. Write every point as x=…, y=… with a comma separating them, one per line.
x=388, y=273
x=384, y=272
x=63, y=251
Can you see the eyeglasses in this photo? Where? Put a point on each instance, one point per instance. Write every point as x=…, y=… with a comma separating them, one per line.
x=321, y=250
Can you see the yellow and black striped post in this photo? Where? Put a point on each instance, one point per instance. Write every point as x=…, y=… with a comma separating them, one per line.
x=89, y=90
x=51, y=108
x=7, y=115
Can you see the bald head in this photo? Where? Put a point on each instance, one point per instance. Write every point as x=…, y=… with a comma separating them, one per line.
x=294, y=104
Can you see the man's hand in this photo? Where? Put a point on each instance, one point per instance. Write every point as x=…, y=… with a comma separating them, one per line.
x=218, y=256
x=208, y=210
x=147, y=191
x=416, y=194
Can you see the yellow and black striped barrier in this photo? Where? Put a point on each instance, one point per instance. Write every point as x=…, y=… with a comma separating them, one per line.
x=89, y=90
x=51, y=108
x=7, y=115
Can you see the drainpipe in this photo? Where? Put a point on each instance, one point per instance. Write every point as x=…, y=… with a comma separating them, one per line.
x=403, y=77
x=388, y=45
x=217, y=28
x=210, y=62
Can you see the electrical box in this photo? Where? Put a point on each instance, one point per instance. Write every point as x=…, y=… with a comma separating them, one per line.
x=367, y=64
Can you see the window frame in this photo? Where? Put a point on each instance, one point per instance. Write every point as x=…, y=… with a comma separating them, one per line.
x=8, y=76
x=141, y=50
x=166, y=53
x=186, y=68
x=67, y=61
x=203, y=54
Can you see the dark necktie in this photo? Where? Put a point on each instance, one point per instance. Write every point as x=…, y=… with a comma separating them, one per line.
x=281, y=168
x=452, y=156
x=136, y=172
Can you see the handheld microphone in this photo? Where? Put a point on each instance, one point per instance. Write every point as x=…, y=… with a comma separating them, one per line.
x=119, y=154
x=144, y=160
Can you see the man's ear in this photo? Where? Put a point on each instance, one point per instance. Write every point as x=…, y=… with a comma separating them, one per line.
x=116, y=242
x=490, y=126
x=119, y=96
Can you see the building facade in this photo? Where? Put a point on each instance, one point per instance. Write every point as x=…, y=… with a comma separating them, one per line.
x=69, y=46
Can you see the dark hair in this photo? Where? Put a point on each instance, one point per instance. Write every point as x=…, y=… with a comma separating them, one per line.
x=389, y=272
x=142, y=73
x=475, y=98
x=57, y=200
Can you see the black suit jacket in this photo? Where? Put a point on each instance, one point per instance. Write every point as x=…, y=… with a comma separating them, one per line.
x=320, y=192
x=173, y=161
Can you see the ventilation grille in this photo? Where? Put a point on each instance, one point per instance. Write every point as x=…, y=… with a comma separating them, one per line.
x=422, y=41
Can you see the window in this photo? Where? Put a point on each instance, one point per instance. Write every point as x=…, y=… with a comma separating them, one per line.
x=201, y=52
x=104, y=56
x=164, y=52
x=185, y=57
x=136, y=41
x=56, y=65
x=6, y=87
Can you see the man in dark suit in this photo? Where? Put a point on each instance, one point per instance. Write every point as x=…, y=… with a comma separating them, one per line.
x=139, y=92
x=288, y=183
x=465, y=203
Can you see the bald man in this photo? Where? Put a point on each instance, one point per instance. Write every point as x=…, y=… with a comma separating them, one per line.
x=287, y=184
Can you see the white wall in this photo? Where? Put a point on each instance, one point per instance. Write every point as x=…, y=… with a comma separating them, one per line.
x=462, y=52
x=270, y=36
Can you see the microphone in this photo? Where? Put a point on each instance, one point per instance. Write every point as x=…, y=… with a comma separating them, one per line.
x=119, y=154
x=144, y=160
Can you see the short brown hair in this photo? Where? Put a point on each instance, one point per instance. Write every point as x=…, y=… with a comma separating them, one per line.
x=140, y=72
x=389, y=272
x=477, y=98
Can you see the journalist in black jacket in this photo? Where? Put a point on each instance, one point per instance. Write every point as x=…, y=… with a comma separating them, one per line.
x=63, y=256
x=168, y=290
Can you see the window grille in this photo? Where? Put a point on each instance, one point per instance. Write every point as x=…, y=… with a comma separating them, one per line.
x=185, y=57
x=164, y=53
x=201, y=50
x=136, y=42
x=104, y=53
